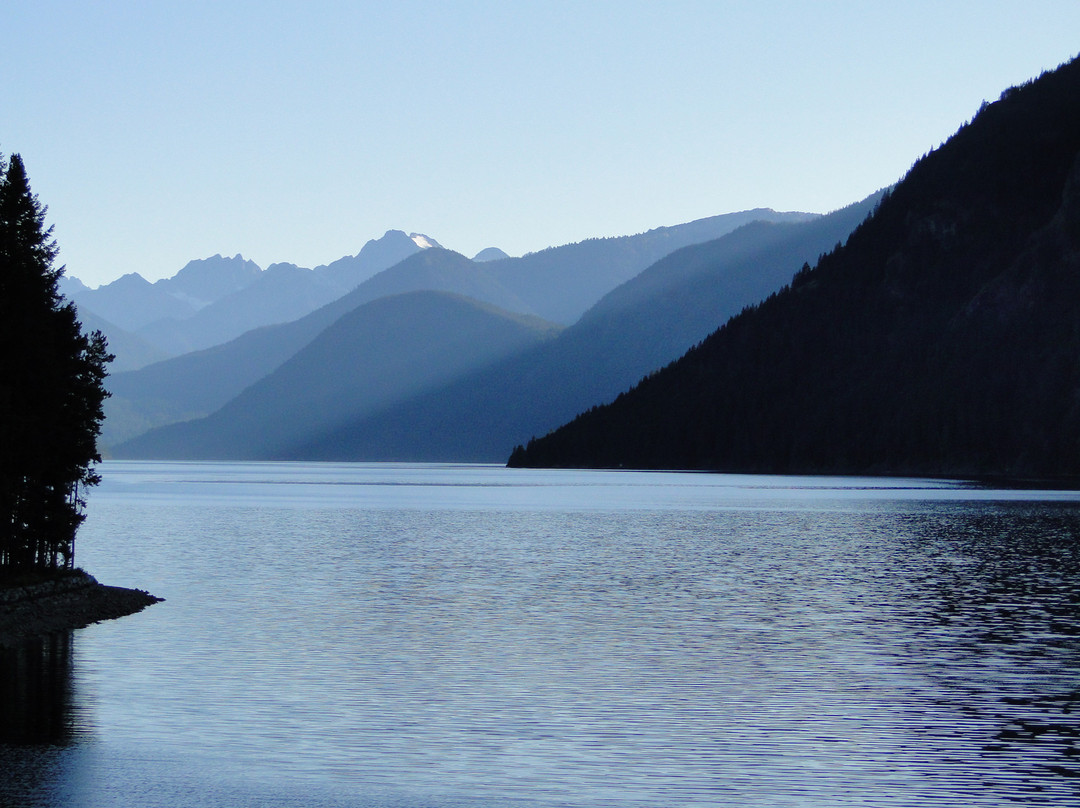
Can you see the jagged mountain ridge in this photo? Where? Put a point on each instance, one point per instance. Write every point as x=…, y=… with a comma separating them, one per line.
x=211, y=301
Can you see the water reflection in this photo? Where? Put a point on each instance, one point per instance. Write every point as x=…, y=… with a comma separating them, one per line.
x=995, y=622
x=40, y=724
x=826, y=647
x=36, y=692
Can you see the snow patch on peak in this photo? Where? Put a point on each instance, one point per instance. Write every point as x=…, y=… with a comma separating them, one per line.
x=424, y=242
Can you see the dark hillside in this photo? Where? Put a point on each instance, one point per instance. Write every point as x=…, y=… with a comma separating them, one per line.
x=943, y=338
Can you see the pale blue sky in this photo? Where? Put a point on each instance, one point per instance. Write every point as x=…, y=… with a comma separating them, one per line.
x=295, y=131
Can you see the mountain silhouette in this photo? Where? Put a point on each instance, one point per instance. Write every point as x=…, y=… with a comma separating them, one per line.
x=490, y=254
x=638, y=327
x=562, y=283
x=195, y=384
x=370, y=358
x=941, y=339
x=213, y=300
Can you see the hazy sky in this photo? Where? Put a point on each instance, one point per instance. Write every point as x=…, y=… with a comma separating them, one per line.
x=295, y=131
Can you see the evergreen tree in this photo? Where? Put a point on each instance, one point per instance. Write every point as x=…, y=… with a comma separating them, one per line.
x=51, y=390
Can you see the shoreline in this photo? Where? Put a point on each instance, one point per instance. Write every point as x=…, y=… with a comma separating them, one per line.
x=65, y=604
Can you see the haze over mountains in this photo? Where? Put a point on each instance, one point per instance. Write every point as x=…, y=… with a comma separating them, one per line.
x=215, y=299
x=374, y=356
x=195, y=384
x=638, y=327
x=886, y=336
x=652, y=318
x=941, y=339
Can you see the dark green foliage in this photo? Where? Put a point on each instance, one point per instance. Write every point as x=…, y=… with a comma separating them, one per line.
x=941, y=339
x=51, y=391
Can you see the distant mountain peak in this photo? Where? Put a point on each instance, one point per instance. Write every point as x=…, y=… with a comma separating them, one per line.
x=202, y=281
x=424, y=242
x=70, y=285
x=490, y=254
x=131, y=279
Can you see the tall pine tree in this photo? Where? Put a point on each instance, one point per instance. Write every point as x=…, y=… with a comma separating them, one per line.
x=51, y=390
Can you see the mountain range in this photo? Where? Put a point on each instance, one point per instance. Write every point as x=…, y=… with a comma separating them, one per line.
x=941, y=339
x=213, y=300
x=926, y=329
x=195, y=384
x=372, y=357
x=639, y=326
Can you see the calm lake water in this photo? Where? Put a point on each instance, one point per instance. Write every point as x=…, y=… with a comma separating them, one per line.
x=418, y=636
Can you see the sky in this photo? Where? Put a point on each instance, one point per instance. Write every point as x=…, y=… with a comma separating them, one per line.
x=161, y=132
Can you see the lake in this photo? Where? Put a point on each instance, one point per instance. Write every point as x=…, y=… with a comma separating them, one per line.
x=435, y=636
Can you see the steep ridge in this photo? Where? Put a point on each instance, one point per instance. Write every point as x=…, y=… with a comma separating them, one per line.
x=940, y=340
x=372, y=357
x=642, y=325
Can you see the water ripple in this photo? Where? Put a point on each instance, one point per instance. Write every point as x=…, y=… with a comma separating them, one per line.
x=839, y=648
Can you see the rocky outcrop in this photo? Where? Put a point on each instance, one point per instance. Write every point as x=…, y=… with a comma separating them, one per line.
x=64, y=604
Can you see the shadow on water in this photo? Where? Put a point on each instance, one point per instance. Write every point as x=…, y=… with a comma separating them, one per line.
x=39, y=719
x=37, y=692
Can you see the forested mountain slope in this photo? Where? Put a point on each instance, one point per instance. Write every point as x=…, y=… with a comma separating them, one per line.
x=942, y=339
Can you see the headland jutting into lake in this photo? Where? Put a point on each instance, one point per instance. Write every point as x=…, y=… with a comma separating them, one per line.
x=64, y=603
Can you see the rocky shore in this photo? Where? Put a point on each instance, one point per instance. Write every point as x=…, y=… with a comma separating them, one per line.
x=68, y=603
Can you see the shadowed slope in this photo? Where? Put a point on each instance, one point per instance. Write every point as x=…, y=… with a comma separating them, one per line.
x=941, y=339
x=370, y=358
